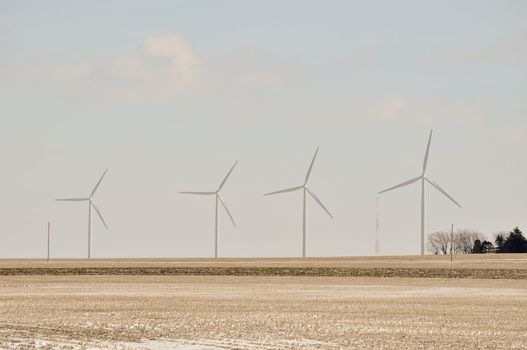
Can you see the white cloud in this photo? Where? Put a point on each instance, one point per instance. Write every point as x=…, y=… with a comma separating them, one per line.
x=261, y=70
x=160, y=68
x=163, y=59
x=171, y=46
x=160, y=65
x=511, y=48
x=402, y=109
x=126, y=65
x=57, y=73
x=514, y=136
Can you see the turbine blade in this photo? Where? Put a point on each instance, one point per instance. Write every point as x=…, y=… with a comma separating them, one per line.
x=227, y=176
x=200, y=193
x=311, y=166
x=98, y=183
x=99, y=214
x=442, y=191
x=73, y=199
x=425, y=162
x=226, y=209
x=409, y=182
x=286, y=190
x=319, y=202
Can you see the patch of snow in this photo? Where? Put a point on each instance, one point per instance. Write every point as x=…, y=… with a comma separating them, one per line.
x=170, y=344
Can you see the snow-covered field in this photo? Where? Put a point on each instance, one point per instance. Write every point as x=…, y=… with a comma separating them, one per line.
x=173, y=344
x=250, y=312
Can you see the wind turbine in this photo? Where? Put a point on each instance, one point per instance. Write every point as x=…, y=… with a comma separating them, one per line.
x=91, y=204
x=219, y=199
x=423, y=179
x=305, y=190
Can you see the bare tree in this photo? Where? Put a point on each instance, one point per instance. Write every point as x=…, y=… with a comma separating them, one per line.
x=464, y=240
x=438, y=242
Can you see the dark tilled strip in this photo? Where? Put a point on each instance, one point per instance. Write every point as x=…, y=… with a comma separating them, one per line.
x=273, y=271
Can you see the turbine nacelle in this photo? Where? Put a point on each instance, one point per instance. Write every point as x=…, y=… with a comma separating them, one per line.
x=89, y=199
x=217, y=194
x=304, y=186
x=310, y=192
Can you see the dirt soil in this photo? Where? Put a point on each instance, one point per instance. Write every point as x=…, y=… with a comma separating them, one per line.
x=263, y=312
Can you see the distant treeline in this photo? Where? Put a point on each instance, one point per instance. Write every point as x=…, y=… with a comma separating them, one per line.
x=474, y=242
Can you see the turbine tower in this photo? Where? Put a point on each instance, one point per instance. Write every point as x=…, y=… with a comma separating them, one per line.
x=91, y=204
x=219, y=199
x=423, y=179
x=306, y=191
x=377, y=248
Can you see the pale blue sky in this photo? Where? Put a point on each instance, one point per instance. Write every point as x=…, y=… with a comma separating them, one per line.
x=168, y=94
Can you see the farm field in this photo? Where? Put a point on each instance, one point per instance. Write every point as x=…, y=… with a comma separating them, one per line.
x=502, y=266
x=212, y=310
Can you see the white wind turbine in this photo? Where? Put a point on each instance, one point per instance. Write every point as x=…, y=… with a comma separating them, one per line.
x=91, y=204
x=219, y=199
x=305, y=191
x=423, y=179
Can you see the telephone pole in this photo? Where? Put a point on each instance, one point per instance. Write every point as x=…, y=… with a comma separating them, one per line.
x=49, y=233
x=451, y=242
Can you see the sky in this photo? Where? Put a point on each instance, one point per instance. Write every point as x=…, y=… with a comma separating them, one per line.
x=169, y=94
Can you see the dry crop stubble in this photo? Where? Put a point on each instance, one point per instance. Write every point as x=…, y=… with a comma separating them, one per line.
x=262, y=312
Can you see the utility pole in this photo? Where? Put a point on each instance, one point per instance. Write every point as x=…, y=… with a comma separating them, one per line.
x=49, y=232
x=451, y=242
